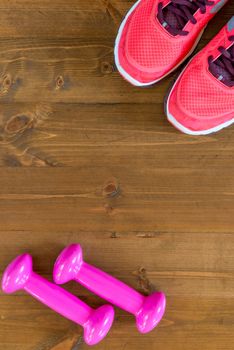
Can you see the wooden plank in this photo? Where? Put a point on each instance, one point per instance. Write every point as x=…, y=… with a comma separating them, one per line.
x=204, y=322
x=59, y=198
x=185, y=263
x=117, y=136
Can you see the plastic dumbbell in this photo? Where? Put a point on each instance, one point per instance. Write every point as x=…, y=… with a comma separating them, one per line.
x=96, y=323
x=147, y=310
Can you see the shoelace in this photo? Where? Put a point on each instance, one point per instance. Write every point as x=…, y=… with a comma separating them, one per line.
x=223, y=67
x=175, y=15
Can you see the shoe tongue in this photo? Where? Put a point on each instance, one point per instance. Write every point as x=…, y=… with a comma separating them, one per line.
x=220, y=71
x=226, y=76
x=175, y=17
x=171, y=19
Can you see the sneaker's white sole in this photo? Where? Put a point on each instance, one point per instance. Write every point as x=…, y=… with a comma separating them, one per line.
x=183, y=128
x=128, y=77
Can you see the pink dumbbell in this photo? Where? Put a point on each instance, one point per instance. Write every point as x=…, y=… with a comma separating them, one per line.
x=147, y=310
x=96, y=323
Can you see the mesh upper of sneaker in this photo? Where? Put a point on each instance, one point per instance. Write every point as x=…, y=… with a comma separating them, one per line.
x=150, y=47
x=200, y=94
x=146, y=43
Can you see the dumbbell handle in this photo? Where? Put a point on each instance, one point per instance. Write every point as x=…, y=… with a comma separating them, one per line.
x=58, y=299
x=109, y=288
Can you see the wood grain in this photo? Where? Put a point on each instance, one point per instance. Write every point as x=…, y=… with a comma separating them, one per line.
x=85, y=157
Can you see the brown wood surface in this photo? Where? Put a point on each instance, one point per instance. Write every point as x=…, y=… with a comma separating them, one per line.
x=85, y=157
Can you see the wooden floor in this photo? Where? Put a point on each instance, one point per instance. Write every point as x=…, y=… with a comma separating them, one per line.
x=85, y=157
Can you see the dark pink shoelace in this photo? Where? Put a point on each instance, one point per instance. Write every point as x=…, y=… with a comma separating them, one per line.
x=177, y=13
x=223, y=67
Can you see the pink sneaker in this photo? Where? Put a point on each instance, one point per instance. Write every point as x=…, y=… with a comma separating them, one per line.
x=202, y=99
x=156, y=36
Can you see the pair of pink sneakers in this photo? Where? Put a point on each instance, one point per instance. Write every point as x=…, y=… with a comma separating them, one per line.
x=156, y=36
